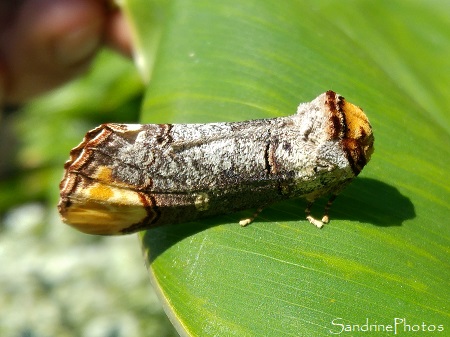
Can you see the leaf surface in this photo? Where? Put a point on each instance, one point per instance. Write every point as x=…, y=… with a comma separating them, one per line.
x=385, y=253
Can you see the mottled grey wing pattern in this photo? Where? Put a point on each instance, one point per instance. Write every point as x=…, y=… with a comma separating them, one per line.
x=126, y=177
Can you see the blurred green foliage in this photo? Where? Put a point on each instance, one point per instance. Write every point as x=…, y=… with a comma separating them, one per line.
x=41, y=134
x=54, y=280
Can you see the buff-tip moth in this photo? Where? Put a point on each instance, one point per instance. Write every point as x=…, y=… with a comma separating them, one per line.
x=124, y=178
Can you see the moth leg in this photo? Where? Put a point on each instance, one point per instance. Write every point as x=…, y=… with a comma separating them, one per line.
x=247, y=221
x=315, y=222
x=310, y=218
x=325, y=218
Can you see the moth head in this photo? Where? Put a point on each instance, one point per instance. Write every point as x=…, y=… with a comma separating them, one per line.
x=350, y=125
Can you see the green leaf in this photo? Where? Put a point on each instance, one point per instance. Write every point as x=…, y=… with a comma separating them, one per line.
x=385, y=253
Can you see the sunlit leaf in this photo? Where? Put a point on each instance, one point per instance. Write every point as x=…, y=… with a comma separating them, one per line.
x=385, y=253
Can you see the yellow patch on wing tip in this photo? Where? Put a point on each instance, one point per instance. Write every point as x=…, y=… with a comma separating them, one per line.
x=103, y=173
x=96, y=218
x=103, y=209
x=100, y=192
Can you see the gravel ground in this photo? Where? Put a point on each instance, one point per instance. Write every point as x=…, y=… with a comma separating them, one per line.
x=55, y=281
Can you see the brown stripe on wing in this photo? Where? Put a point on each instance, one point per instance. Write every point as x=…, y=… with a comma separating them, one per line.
x=164, y=137
x=153, y=214
x=78, y=158
x=337, y=126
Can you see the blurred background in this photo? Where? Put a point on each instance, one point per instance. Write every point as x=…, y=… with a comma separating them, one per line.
x=54, y=280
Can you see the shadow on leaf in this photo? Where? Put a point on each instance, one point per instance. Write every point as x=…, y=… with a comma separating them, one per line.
x=374, y=202
x=365, y=200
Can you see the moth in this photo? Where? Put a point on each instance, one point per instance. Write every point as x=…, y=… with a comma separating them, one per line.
x=124, y=178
